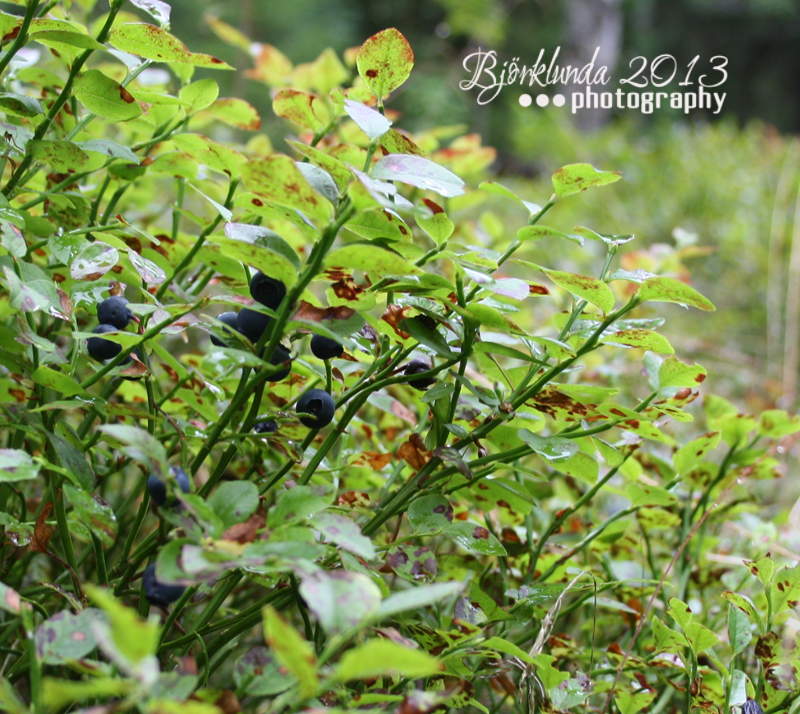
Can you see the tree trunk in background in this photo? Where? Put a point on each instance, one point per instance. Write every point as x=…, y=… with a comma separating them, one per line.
x=591, y=24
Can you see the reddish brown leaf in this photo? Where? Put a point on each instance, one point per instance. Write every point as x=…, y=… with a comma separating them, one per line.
x=373, y=459
x=245, y=532
x=414, y=453
x=41, y=531
x=309, y=312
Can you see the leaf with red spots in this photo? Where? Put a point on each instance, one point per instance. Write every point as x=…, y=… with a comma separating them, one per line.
x=785, y=589
x=674, y=373
x=105, y=97
x=298, y=108
x=385, y=61
x=672, y=290
x=691, y=454
x=65, y=636
x=153, y=43
x=340, y=599
x=575, y=178
x=474, y=538
x=413, y=563
x=235, y=112
x=430, y=513
x=339, y=529
x=277, y=179
x=699, y=636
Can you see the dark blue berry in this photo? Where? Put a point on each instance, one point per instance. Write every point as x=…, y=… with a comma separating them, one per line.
x=266, y=427
x=101, y=349
x=317, y=406
x=280, y=356
x=326, y=348
x=114, y=311
x=267, y=291
x=158, y=489
x=157, y=593
x=416, y=366
x=231, y=319
x=252, y=324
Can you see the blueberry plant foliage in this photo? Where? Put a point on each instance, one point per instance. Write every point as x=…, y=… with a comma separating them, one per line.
x=448, y=502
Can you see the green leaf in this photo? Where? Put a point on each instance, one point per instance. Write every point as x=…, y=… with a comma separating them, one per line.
x=643, y=339
x=73, y=460
x=376, y=262
x=53, y=379
x=259, y=672
x=691, y=454
x=777, y=423
x=200, y=94
x=277, y=179
x=672, y=290
x=63, y=156
x=63, y=40
x=140, y=446
x=785, y=591
x=17, y=465
x=382, y=657
x=94, y=513
x=372, y=123
x=645, y=494
x=210, y=153
x=416, y=597
x=592, y=290
x=103, y=96
x=298, y=108
x=297, y=504
x=420, y=172
x=552, y=448
x=343, y=531
x=58, y=693
x=430, y=513
x=291, y=650
x=65, y=636
x=106, y=147
x=575, y=178
x=579, y=466
x=236, y=113
x=474, y=538
x=153, y=43
x=20, y=105
x=384, y=62
x=700, y=638
x=126, y=635
x=674, y=373
x=500, y=190
x=633, y=702
x=415, y=564
x=539, y=232
x=341, y=600
x=320, y=180
x=234, y=502
x=438, y=226
x=740, y=631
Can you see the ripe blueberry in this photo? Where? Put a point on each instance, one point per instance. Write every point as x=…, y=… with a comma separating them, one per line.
x=267, y=291
x=231, y=319
x=416, y=366
x=158, y=489
x=318, y=406
x=266, y=427
x=280, y=356
x=158, y=593
x=101, y=349
x=252, y=324
x=114, y=311
x=325, y=348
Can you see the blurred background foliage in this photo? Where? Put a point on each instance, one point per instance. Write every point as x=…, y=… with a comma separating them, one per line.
x=719, y=193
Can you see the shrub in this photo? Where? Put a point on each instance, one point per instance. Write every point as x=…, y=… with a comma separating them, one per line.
x=475, y=490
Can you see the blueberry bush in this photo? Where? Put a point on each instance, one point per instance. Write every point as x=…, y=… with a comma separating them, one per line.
x=295, y=432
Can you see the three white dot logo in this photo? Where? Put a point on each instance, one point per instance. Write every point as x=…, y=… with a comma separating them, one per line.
x=542, y=100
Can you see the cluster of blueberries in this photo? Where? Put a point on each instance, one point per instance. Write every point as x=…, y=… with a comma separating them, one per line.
x=315, y=407
x=114, y=315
